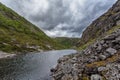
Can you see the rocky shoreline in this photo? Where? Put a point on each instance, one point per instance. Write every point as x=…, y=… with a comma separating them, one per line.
x=100, y=61
x=6, y=55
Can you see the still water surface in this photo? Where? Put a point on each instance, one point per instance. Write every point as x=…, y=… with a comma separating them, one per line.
x=31, y=66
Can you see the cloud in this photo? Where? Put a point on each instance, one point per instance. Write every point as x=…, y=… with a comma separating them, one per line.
x=61, y=18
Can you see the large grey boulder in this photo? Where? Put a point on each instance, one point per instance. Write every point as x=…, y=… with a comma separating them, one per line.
x=102, y=57
x=111, y=51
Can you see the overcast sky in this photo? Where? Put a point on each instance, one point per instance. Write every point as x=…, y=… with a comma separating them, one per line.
x=60, y=18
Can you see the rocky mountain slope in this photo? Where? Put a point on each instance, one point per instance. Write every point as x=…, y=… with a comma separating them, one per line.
x=19, y=35
x=100, y=26
x=101, y=59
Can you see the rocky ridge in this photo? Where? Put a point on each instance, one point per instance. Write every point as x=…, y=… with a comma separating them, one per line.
x=101, y=25
x=100, y=61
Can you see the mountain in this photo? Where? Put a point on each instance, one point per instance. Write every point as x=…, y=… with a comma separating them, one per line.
x=100, y=61
x=105, y=24
x=67, y=42
x=99, y=58
x=19, y=35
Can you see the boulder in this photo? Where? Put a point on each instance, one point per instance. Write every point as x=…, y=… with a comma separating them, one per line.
x=118, y=22
x=101, y=69
x=96, y=77
x=99, y=47
x=58, y=75
x=111, y=51
x=102, y=57
x=118, y=38
x=67, y=68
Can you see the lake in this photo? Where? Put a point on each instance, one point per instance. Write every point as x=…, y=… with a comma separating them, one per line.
x=32, y=66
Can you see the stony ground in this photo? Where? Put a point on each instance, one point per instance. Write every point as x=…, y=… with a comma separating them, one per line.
x=100, y=61
x=6, y=55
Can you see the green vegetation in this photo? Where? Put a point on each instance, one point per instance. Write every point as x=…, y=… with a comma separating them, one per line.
x=91, y=41
x=19, y=35
x=105, y=62
x=102, y=26
x=84, y=46
x=67, y=42
x=113, y=29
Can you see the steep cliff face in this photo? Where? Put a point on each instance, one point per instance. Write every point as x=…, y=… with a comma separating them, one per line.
x=101, y=25
x=19, y=35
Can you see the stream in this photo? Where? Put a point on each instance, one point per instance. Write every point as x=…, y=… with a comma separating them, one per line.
x=32, y=66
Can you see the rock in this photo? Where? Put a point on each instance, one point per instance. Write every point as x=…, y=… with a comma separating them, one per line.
x=63, y=59
x=110, y=37
x=5, y=44
x=40, y=50
x=118, y=22
x=106, y=54
x=74, y=58
x=67, y=68
x=112, y=71
x=6, y=55
x=94, y=57
x=102, y=57
x=58, y=75
x=99, y=47
x=96, y=77
x=118, y=38
x=117, y=47
x=115, y=42
x=102, y=42
x=111, y=51
x=87, y=61
x=95, y=45
x=67, y=77
x=105, y=45
x=101, y=69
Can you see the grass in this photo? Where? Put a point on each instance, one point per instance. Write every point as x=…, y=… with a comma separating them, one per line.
x=113, y=29
x=103, y=63
x=99, y=28
x=91, y=41
x=67, y=42
x=84, y=46
x=16, y=33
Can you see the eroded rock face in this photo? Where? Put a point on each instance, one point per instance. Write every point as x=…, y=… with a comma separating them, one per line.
x=98, y=60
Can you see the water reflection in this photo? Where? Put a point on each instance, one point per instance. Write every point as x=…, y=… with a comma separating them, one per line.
x=31, y=66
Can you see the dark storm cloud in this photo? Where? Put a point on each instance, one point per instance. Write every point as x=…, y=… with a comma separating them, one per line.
x=60, y=17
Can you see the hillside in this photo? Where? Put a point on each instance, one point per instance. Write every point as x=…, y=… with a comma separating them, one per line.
x=100, y=61
x=99, y=58
x=19, y=35
x=67, y=42
x=102, y=26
